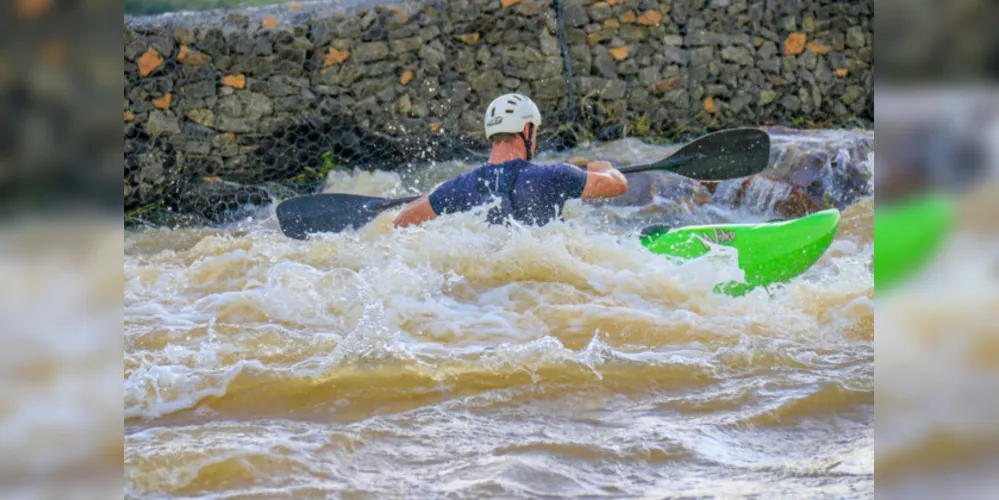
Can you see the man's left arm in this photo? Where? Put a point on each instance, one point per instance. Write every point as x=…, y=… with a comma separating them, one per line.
x=599, y=180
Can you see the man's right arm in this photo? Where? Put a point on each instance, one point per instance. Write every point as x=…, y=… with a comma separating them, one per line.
x=452, y=195
x=604, y=181
x=417, y=211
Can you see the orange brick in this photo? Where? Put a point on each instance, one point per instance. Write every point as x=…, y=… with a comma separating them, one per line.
x=650, y=18
x=406, y=77
x=435, y=127
x=129, y=116
x=53, y=52
x=615, y=2
x=336, y=57
x=611, y=23
x=212, y=178
x=294, y=7
x=470, y=38
x=669, y=83
x=270, y=22
x=709, y=104
x=619, y=53
x=229, y=136
x=30, y=9
x=818, y=48
x=188, y=56
x=507, y=3
x=795, y=44
x=149, y=61
x=237, y=81
x=628, y=17
x=163, y=102
x=842, y=72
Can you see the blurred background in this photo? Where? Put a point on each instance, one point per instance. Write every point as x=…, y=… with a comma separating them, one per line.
x=937, y=348
x=60, y=237
x=937, y=344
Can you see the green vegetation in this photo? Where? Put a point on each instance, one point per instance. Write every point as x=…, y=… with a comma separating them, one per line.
x=155, y=214
x=150, y=7
x=800, y=122
x=311, y=175
x=640, y=127
x=144, y=210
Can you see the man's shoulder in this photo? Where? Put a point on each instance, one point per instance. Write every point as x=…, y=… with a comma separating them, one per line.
x=558, y=169
x=525, y=168
x=548, y=167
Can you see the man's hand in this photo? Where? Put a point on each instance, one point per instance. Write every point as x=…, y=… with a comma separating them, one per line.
x=599, y=166
x=605, y=166
x=604, y=181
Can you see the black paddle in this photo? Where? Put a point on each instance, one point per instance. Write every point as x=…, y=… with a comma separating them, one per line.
x=727, y=154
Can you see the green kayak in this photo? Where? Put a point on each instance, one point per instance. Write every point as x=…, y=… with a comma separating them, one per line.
x=907, y=234
x=769, y=252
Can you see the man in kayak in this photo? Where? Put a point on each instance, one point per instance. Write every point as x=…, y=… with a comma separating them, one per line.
x=528, y=193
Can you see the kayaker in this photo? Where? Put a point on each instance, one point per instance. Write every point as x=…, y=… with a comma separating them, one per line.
x=529, y=193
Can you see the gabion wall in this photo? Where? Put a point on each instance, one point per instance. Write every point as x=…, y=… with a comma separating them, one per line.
x=220, y=108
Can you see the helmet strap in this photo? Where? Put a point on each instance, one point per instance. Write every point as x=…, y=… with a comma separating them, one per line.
x=527, y=140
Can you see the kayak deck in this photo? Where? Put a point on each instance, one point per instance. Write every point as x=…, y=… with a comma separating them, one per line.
x=769, y=252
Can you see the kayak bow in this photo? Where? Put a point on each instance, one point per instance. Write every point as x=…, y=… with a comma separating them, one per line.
x=769, y=252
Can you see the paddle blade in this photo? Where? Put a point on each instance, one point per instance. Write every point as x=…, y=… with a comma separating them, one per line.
x=299, y=217
x=727, y=154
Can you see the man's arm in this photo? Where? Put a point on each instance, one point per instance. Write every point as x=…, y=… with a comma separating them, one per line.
x=416, y=212
x=604, y=181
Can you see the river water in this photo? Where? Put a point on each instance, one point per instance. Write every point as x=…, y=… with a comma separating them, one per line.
x=460, y=360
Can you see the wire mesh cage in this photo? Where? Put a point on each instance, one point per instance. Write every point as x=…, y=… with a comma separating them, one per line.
x=226, y=109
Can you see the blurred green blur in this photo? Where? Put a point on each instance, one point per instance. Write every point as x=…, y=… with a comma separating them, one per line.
x=937, y=245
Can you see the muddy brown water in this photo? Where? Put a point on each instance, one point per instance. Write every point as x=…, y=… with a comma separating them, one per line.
x=460, y=360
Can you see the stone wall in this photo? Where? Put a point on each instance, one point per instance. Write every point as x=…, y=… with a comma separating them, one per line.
x=219, y=106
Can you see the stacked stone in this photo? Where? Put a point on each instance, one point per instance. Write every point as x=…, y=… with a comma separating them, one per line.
x=259, y=96
x=198, y=100
x=664, y=65
x=206, y=102
x=434, y=71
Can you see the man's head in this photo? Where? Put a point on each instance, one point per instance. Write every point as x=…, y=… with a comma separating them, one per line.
x=513, y=118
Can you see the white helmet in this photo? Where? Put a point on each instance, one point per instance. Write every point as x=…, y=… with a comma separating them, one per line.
x=509, y=113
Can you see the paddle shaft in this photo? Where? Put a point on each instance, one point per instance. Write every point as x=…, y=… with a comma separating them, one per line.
x=393, y=202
